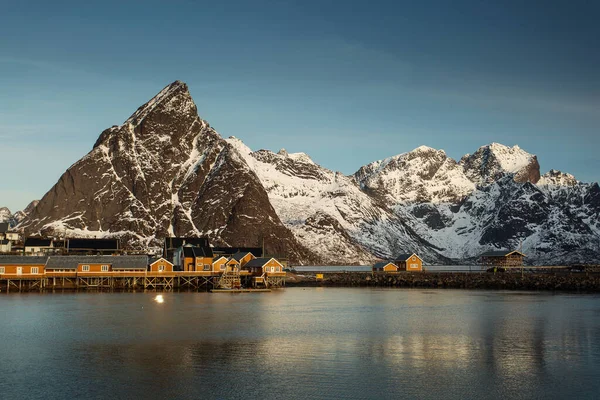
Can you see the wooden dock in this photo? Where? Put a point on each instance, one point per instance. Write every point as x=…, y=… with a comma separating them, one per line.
x=240, y=290
x=159, y=281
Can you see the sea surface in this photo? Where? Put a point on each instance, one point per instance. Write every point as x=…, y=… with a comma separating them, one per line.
x=301, y=343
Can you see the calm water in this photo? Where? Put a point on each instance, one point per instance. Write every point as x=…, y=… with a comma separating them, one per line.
x=305, y=343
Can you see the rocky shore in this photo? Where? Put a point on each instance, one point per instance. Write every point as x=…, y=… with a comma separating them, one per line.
x=563, y=281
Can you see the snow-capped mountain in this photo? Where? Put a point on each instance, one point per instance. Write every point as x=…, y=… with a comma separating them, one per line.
x=490, y=163
x=162, y=172
x=419, y=176
x=6, y=215
x=14, y=219
x=165, y=171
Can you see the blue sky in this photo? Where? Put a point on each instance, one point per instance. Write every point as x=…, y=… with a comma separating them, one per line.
x=346, y=82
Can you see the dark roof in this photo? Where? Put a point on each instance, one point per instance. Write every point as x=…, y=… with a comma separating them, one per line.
x=382, y=264
x=93, y=244
x=403, y=256
x=4, y=241
x=240, y=254
x=117, y=262
x=189, y=251
x=257, y=262
x=37, y=242
x=3, y=227
x=256, y=251
x=25, y=260
x=215, y=258
x=176, y=242
x=500, y=253
x=58, y=243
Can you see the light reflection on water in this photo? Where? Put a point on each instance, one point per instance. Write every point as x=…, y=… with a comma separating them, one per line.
x=301, y=343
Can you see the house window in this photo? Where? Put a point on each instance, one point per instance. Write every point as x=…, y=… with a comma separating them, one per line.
x=161, y=268
x=2, y=270
x=414, y=266
x=35, y=270
x=85, y=268
x=222, y=266
x=104, y=268
x=207, y=267
x=414, y=258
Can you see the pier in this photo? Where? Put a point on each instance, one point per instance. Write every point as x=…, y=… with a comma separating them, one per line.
x=159, y=281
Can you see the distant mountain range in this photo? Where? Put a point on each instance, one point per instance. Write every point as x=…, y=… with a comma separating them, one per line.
x=14, y=219
x=165, y=171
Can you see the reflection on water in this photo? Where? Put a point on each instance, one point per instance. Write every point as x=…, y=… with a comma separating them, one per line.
x=301, y=343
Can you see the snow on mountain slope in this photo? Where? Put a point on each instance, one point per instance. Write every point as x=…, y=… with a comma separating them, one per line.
x=489, y=163
x=5, y=215
x=421, y=175
x=556, y=178
x=328, y=210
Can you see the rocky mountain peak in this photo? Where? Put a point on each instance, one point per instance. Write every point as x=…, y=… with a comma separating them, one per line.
x=423, y=174
x=557, y=178
x=5, y=215
x=490, y=162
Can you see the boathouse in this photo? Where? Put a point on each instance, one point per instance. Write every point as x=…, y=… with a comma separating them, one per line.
x=22, y=265
x=259, y=266
x=219, y=263
x=98, y=264
x=160, y=265
x=385, y=266
x=242, y=257
x=233, y=265
x=502, y=258
x=409, y=262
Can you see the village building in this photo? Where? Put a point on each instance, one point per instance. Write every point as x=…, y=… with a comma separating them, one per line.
x=85, y=246
x=385, y=266
x=21, y=265
x=409, y=262
x=160, y=265
x=233, y=265
x=5, y=246
x=230, y=251
x=190, y=258
x=219, y=263
x=502, y=258
x=173, y=243
x=3, y=230
x=38, y=246
x=243, y=257
x=97, y=264
x=263, y=265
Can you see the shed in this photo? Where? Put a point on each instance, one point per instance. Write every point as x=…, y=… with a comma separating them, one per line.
x=408, y=262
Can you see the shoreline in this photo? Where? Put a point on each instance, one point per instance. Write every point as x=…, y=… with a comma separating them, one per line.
x=552, y=281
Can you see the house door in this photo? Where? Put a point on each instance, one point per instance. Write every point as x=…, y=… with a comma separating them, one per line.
x=19, y=270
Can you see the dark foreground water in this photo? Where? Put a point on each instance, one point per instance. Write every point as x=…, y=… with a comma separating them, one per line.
x=304, y=343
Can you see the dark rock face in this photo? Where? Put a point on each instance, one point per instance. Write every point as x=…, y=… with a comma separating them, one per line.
x=164, y=172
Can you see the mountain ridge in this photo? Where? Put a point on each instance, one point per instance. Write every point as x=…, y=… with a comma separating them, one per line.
x=165, y=171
